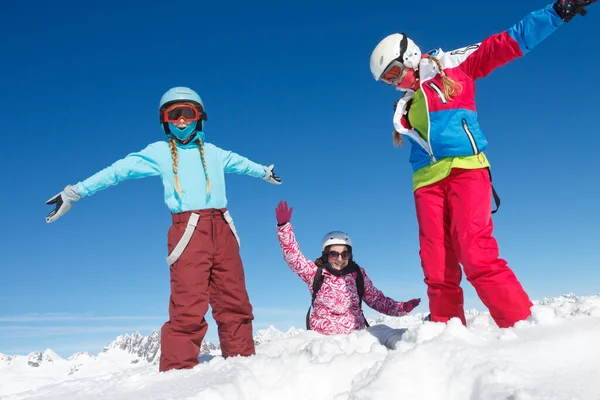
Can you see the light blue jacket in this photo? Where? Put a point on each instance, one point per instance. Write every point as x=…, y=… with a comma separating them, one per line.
x=156, y=160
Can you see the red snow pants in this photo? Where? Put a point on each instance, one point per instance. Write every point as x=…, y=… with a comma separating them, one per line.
x=209, y=271
x=455, y=226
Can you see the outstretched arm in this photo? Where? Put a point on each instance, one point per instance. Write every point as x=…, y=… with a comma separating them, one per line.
x=375, y=299
x=480, y=59
x=135, y=165
x=385, y=305
x=236, y=164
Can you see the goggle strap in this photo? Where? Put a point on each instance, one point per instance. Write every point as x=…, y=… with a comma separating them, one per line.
x=403, y=47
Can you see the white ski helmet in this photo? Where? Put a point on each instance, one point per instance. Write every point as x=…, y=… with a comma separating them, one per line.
x=336, y=237
x=395, y=47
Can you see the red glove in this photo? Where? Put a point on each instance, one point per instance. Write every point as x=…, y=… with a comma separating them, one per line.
x=408, y=306
x=282, y=213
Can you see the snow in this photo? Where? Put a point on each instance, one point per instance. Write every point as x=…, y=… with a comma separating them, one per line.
x=553, y=355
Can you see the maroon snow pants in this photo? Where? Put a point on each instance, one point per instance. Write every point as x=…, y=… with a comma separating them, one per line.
x=209, y=271
x=455, y=226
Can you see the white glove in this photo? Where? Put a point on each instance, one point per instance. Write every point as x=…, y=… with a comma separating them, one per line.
x=270, y=175
x=64, y=200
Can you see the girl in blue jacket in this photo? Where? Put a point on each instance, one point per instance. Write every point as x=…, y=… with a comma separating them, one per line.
x=203, y=247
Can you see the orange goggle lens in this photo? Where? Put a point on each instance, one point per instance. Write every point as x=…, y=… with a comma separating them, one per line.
x=392, y=73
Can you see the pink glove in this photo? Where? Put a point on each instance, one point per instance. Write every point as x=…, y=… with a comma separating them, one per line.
x=282, y=213
x=408, y=306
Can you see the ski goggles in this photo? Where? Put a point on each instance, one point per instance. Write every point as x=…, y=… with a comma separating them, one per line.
x=334, y=255
x=393, y=72
x=188, y=113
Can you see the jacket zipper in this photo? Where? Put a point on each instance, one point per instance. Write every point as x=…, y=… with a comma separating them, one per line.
x=439, y=92
x=470, y=136
x=429, y=149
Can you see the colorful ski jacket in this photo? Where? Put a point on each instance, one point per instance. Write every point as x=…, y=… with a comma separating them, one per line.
x=157, y=160
x=453, y=129
x=336, y=309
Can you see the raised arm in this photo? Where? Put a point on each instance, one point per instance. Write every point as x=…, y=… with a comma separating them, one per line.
x=480, y=59
x=294, y=258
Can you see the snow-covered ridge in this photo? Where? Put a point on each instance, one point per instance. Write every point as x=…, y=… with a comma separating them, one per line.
x=551, y=356
x=147, y=348
x=139, y=347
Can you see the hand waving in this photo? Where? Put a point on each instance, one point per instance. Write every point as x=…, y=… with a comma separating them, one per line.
x=282, y=213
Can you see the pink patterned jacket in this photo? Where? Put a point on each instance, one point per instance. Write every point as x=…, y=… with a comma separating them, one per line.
x=336, y=309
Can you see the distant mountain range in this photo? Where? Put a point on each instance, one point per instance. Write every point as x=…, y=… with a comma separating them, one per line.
x=147, y=348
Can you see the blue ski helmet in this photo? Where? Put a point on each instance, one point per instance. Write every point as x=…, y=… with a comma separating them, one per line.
x=181, y=94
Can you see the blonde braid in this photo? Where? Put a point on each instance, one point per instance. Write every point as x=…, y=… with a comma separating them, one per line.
x=201, y=147
x=173, y=147
x=398, y=141
x=451, y=87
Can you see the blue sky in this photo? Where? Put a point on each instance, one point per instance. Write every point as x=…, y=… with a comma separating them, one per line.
x=284, y=83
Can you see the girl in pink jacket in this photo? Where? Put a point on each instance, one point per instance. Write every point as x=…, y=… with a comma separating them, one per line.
x=337, y=304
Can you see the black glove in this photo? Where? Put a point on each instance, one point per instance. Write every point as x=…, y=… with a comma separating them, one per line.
x=567, y=9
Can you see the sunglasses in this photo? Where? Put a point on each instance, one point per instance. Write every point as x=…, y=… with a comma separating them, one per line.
x=335, y=254
x=178, y=111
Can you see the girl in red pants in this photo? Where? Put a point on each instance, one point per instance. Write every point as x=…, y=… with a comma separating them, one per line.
x=452, y=184
x=204, y=253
